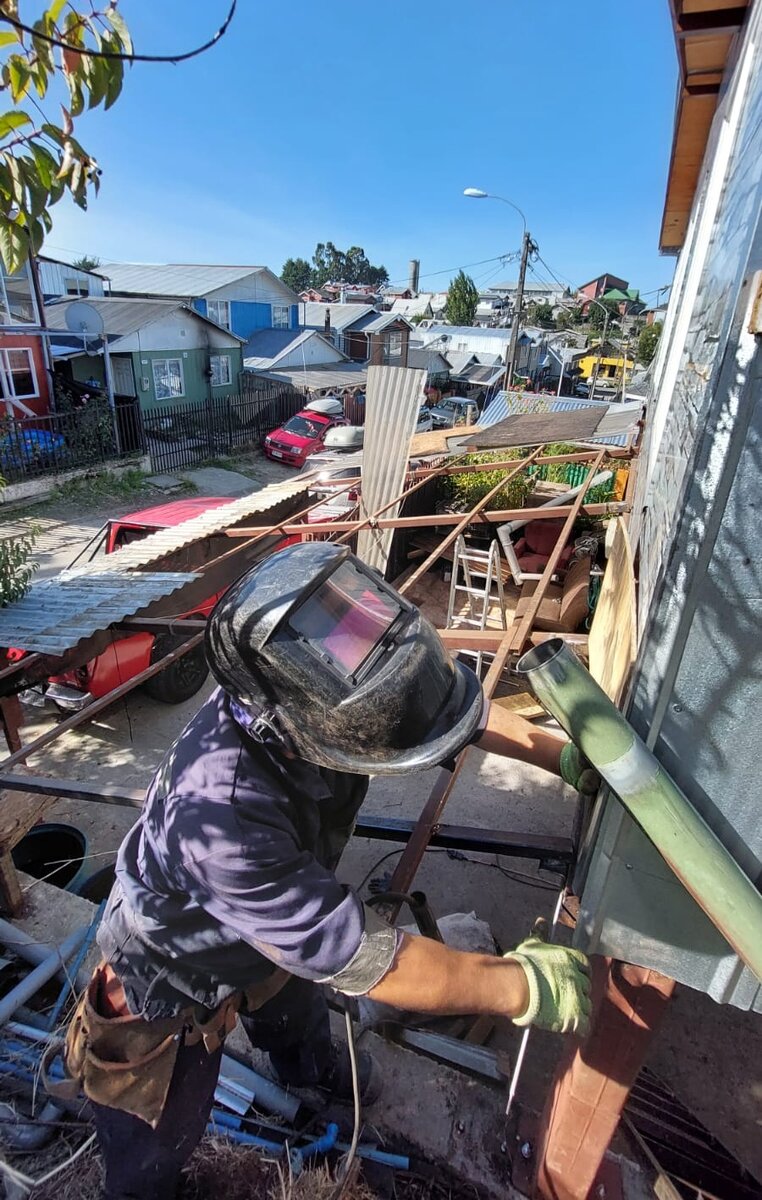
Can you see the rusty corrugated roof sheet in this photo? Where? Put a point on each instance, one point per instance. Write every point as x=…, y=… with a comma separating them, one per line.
x=57, y=613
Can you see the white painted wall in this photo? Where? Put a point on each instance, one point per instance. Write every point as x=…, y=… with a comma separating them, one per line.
x=261, y=287
x=178, y=331
x=55, y=279
x=313, y=351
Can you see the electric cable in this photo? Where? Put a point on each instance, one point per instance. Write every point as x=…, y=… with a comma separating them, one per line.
x=88, y=52
x=346, y=1170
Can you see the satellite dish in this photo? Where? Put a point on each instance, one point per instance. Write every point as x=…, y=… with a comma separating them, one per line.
x=84, y=318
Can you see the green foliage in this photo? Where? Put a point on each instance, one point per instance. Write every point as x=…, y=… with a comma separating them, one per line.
x=648, y=342
x=462, y=300
x=331, y=264
x=540, y=314
x=87, y=262
x=462, y=492
x=16, y=563
x=596, y=316
x=40, y=159
x=566, y=317
x=297, y=274
x=129, y=484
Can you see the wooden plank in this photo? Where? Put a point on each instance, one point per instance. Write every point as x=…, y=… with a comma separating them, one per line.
x=521, y=704
x=11, y=898
x=520, y=632
x=20, y=812
x=11, y=719
x=489, y=640
x=613, y=633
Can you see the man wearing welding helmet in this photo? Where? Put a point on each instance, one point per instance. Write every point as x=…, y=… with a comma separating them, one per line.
x=226, y=901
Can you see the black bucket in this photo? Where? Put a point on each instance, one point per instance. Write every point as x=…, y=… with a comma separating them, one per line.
x=55, y=853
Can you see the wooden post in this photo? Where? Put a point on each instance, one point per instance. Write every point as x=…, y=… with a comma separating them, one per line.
x=11, y=719
x=593, y=1081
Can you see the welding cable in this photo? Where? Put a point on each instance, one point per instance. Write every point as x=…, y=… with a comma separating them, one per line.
x=348, y=1163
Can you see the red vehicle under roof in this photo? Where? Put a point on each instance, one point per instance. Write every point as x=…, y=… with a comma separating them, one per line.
x=127, y=657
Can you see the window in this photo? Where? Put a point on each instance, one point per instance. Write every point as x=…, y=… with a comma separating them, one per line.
x=281, y=316
x=168, y=379
x=219, y=365
x=18, y=375
x=219, y=312
x=77, y=287
x=17, y=305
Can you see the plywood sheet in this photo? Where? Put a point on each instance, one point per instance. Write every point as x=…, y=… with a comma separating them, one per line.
x=532, y=429
x=613, y=632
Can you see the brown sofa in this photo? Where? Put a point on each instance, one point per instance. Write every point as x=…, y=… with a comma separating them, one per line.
x=563, y=607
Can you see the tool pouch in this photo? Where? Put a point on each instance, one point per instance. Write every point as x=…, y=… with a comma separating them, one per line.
x=126, y=1062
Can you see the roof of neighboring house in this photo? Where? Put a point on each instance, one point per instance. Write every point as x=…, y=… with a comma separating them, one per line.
x=412, y=308
x=376, y=322
x=341, y=315
x=176, y=279
x=267, y=346
x=61, y=263
x=455, y=331
x=614, y=279
x=621, y=294
x=529, y=286
x=121, y=317
x=459, y=360
x=165, y=516
x=427, y=360
x=317, y=378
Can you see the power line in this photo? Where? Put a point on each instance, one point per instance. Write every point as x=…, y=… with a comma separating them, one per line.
x=88, y=52
x=511, y=256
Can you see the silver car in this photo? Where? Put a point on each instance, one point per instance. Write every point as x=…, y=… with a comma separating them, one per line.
x=455, y=410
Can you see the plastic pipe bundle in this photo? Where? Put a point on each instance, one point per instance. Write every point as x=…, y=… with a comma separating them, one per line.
x=664, y=813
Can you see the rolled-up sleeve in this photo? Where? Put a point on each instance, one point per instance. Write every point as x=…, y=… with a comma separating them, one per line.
x=280, y=900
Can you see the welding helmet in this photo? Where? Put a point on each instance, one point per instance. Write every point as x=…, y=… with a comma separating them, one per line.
x=343, y=668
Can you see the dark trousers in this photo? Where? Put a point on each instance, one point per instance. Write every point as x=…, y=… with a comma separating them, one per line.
x=142, y=1163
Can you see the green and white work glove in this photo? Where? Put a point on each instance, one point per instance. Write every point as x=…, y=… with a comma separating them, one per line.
x=577, y=771
x=559, y=986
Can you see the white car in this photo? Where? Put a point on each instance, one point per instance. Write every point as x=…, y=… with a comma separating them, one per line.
x=425, y=420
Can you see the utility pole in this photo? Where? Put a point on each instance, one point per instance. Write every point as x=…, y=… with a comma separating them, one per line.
x=527, y=247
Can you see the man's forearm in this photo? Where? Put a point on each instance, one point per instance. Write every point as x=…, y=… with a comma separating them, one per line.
x=513, y=737
x=432, y=978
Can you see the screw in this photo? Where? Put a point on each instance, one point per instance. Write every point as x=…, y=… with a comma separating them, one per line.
x=677, y=708
x=460, y=1127
x=600, y=1192
x=526, y=1150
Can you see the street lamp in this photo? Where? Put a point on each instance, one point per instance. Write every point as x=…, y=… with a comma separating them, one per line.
x=527, y=245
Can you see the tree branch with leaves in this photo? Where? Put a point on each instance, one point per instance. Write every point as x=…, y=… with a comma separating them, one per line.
x=40, y=158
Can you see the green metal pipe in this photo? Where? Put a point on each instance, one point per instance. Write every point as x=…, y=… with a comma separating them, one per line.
x=666, y=816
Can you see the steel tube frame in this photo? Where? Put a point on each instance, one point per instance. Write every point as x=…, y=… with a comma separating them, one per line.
x=612, y=509
x=477, y=510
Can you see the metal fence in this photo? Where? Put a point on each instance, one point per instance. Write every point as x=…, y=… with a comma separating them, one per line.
x=182, y=435
x=82, y=437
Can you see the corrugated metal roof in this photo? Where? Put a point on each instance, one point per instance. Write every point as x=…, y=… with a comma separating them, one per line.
x=534, y=428
x=428, y=360
x=340, y=375
x=173, y=279
x=167, y=541
x=459, y=360
x=266, y=346
x=615, y=427
x=58, y=613
x=411, y=308
x=377, y=322
x=393, y=400
x=122, y=317
x=341, y=315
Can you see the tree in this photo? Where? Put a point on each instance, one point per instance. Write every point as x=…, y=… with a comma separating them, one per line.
x=350, y=266
x=648, y=342
x=539, y=313
x=297, y=274
x=41, y=159
x=596, y=316
x=462, y=300
x=87, y=262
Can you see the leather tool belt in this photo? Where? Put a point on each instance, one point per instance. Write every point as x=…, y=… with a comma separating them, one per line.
x=126, y=1062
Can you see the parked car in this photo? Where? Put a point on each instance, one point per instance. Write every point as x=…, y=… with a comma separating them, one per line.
x=344, y=439
x=304, y=433
x=454, y=410
x=73, y=690
x=425, y=420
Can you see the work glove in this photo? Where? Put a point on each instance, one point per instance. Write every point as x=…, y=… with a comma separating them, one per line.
x=577, y=771
x=559, y=986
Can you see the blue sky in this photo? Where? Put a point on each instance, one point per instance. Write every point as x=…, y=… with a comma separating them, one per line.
x=362, y=124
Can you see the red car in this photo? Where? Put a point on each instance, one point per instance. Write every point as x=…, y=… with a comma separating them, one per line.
x=304, y=433
x=72, y=690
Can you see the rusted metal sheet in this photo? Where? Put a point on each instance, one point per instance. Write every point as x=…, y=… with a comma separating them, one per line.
x=531, y=429
x=393, y=399
x=58, y=613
